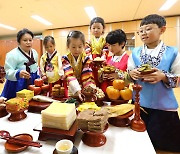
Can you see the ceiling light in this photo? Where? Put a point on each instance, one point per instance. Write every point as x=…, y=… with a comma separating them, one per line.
x=7, y=27
x=90, y=12
x=42, y=20
x=167, y=5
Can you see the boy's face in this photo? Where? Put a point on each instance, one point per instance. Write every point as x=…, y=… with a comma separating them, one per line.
x=76, y=47
x=97, y=29
x=116, y=48
x=150, y=34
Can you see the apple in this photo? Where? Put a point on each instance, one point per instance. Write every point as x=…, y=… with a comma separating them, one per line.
x=37, y=90
x=45, y=87
x=38, y=82
x=126, y=94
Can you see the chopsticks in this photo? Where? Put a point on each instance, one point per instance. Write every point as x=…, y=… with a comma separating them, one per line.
x=22, y=142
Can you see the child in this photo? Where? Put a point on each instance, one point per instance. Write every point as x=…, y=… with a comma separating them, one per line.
x=157, y=97
x=96, y=46
x=116, y=41
x=50, y=64
x=20, y=65
x=76, y=64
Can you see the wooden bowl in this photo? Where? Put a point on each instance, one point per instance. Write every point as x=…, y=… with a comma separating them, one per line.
x=94, y=139
x=17, y=115
x=10, y=147
x=3, y=111
x=147, y=72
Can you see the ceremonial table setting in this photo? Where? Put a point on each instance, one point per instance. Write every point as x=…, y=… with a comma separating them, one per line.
x=35, y=123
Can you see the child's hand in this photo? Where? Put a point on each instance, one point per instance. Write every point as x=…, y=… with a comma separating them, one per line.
x=80, y=95
x=44, y=78
x=135, y=74
x=155, y=77
x=24, y=74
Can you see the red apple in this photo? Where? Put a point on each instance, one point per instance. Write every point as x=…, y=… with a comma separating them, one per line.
x=37, y=90
x=38, y=82
x=45, y=87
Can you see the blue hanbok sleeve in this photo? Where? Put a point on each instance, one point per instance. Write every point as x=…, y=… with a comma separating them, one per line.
x=10, y=67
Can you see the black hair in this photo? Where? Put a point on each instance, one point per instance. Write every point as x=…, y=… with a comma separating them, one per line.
x=97, y=20
x=48, y=38
x=154, y=19
x=77, y=35
x=116, y=36
x=22, y=32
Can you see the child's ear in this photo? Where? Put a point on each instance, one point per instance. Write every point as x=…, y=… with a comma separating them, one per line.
x=163, y=29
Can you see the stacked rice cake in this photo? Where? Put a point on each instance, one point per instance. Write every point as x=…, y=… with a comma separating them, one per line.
x=98, y=121
x=59, y=115
x=28, y=94
x=92, y=120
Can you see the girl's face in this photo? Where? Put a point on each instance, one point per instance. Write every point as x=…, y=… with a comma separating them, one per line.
x=26, y=42
x=116, y=48
x=97, y=29
x=150, y=34
x=76, y=46
x=49, y=47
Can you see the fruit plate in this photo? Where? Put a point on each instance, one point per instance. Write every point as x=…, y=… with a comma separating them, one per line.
x=118, y=101
x=56, y=134
x=10, y=147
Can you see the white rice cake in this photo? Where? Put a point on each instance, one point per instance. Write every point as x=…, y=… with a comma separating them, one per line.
x=59, y=115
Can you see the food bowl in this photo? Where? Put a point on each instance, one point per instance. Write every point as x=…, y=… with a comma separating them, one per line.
x=94, y=139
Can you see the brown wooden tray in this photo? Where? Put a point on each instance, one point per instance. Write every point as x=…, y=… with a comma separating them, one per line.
x=37, y=107
x=57, y=134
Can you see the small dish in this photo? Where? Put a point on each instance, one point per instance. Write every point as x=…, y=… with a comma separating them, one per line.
x=74, y=151
x=147, y=72
x=10, y=147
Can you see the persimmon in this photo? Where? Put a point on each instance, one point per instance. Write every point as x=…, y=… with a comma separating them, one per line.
x=126, y=94
x=118, y=84
x=112, y=92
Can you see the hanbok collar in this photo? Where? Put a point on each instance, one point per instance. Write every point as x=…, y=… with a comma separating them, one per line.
x=118, y=58
x=28, y=54
x=153, y=52
x=152, y=56
x=51, y=54
x=77, y=64
x=97, y=44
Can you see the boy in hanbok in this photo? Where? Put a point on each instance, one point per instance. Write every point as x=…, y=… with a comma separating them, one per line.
x=157, y=97
x=20, y=65
x=51, y=64
x=116, y=41
x=76, y=64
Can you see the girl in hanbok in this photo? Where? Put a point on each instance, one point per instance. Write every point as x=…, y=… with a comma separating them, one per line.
x=96, y=47
x=20, y=65
x=116, y=41
x=51, y=65
x=76, y=64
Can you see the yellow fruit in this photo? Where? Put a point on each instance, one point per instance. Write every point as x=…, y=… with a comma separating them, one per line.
x=118, y=84
x=126, y=94
x=112, y=93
